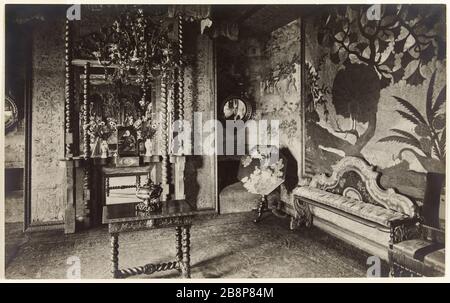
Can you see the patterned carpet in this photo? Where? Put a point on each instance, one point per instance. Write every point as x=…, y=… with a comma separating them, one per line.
x=228, y=246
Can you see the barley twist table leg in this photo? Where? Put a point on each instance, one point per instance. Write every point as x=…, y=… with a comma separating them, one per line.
x=114, y=254
x=179, y=252
x=186, y=259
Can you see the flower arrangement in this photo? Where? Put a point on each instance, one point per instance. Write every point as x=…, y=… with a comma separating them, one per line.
x=264, y=178
x=143, y=44
x=99, y=128
x=145, y=128
x=137, y=42
x=145, y=124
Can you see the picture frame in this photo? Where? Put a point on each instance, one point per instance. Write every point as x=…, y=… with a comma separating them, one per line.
x=127, y=143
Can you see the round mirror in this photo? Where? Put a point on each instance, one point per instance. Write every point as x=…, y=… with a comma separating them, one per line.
x=236, y=108
x=11, y=114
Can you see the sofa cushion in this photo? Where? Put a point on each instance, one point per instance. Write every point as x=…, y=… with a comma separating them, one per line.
x=436, y=260
x=421, y=256
x=371, y=212
x=415, y=249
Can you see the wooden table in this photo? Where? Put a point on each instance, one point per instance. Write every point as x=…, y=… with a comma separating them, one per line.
x=174, y=213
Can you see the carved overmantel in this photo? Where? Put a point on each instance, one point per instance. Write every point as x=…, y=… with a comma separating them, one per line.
x=81, y=74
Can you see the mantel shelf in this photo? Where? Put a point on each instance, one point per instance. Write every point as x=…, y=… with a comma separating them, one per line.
x=92, y=63
x=95, y=63
x=98, y=161
x=101, y=79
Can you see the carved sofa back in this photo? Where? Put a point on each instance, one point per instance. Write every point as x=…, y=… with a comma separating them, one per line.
x=353, y=177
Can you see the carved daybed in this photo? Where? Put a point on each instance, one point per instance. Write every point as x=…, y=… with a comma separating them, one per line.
x=350, y=205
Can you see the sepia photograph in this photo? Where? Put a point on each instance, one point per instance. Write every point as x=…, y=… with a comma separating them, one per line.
x=224, y=141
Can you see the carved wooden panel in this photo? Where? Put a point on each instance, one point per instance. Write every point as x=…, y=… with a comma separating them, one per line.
x=149, y=224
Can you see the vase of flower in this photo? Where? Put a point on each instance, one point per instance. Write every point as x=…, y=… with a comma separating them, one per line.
x=148, y=147
x=95, y=148
x=101, y=129
x=146, y=131
x=104, y=149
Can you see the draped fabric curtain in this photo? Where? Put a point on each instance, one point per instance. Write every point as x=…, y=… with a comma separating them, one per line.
x=229, y=30
x=202, y=13
x=190, y=12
